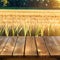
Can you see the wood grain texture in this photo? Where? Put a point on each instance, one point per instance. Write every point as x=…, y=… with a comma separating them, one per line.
x=57, y=40
x=41, y=47
x=52, y=45
x=30, y=49
x=18, y=46
x=3, y=41
x=9, y=46
x=19, y=49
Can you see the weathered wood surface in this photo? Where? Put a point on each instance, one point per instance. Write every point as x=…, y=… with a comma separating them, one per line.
x=3, y=41
x=41, y=47
x=8, y=49
x=53, y=45
x=30, y=46
x=19, y=48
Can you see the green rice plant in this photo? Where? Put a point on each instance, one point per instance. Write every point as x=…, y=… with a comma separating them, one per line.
x=1, y=31
x=25, y=30
x=42, y=31
x=54, y=31
x=18, y=30
x=57, y=30
x=6, y=29
x=30, y=30
x=33, y=32
x=49, y=29
x=38, y=31
x=13, y=31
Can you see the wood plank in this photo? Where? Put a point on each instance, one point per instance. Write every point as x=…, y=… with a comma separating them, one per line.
x=41, y=47
x=49, y=40
x=19, y=49
x=53, y=48
x=30, y=49
x=57, y=39
x=9, y=46
x=3, y=41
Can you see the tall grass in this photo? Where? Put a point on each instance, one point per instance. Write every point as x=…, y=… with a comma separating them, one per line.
x=25, y=30
x=49, y=29
x=42, y=30
x=6, y=29
x=30, y=30
x=38, y=31
x=1, y=31
x=16, y=31
x=13, y=31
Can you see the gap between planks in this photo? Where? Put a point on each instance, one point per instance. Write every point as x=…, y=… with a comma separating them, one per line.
x=8, y=49
x=53, y=45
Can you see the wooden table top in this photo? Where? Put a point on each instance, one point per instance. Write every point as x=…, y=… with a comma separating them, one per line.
x=30, y=46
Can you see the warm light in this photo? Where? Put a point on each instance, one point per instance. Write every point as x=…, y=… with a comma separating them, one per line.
x=39, y=50
x=58, y=1
x=29, y=20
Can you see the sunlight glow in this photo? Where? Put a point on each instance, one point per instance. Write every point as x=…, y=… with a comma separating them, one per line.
x=58, y=1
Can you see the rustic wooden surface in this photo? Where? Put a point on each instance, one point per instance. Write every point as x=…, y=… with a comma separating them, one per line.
x=3, y=41
x=41, y=47
x=9, y=47
x=30, y=46
x=19, y=48
x=53, y=45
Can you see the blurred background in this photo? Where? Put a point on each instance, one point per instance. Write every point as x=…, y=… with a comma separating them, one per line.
x=30, y=22
x=30, y=3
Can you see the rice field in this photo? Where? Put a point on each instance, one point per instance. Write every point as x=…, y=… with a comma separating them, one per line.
x=30, y=23
x=38, y=30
